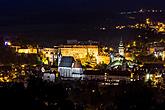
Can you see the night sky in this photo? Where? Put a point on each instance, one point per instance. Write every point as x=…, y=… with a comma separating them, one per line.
x=64, y=18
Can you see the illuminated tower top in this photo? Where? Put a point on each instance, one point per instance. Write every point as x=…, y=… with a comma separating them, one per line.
x=121, y=48
x=121, y=43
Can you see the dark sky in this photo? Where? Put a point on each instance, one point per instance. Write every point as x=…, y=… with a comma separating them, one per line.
x=27, y=11
x=62, y=17
x=26, y=8
x=73, y=5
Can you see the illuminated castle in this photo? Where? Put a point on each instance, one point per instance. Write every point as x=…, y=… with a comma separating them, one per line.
x=84, y=53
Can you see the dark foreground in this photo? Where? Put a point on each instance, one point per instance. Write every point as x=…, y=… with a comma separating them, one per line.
x=80, y=95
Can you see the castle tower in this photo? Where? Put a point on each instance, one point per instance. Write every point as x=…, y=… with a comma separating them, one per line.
x=121, y=48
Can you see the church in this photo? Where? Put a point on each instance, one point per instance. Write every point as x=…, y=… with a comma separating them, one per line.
x=70, y=68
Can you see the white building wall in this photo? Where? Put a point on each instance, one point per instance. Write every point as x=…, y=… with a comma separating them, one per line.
x=121, y=51
x=65, y=71
x=77, y=70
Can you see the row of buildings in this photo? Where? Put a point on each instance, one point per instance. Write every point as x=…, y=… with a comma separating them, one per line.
x=71, y=57
x=86, y=53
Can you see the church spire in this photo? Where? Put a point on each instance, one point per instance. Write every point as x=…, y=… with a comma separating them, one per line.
x=121, y=42
x=121, y=48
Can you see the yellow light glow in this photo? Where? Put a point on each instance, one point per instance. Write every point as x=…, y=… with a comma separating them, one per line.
x=111, y=49
x=132, y=75
x=45, y=61
x=9, y=43
x=134, y=43
x=140, y=65
x=28, y=51
x=148, y=21
x=128, y=46
x=22, y=66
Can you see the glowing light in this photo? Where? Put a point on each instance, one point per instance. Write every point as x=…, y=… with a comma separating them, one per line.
x=155, y=54
x=7, y=43
x=148, y=76
x=158, y=76
x=111, y=49
x=43, y=69
x=148, y=21
x=22, y=66
x=141, y=65
x=132, y=75
x=128, y=46
x=139, y=36
x=134, y=43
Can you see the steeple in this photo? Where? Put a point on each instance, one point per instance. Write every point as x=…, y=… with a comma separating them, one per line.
x=121, y=48
x=121, y=43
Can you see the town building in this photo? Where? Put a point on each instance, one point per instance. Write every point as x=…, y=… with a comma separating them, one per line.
x=28, y=50
x=84, y=53
x=69, y=68
x=49, y=55
x=89, y=54
x=157, y=48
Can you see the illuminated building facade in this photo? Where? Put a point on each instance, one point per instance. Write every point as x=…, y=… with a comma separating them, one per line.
x=103, y=59
x=79, y=51
x=68, y=67
x=129, y=56
x=84, y=53
x=157, y=48
x=28, y=51
x=49, y=55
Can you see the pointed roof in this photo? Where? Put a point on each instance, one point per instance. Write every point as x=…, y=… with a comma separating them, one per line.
x=66, y=61
x=121, y=43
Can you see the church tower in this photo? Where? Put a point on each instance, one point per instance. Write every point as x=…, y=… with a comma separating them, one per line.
x=121, y=48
